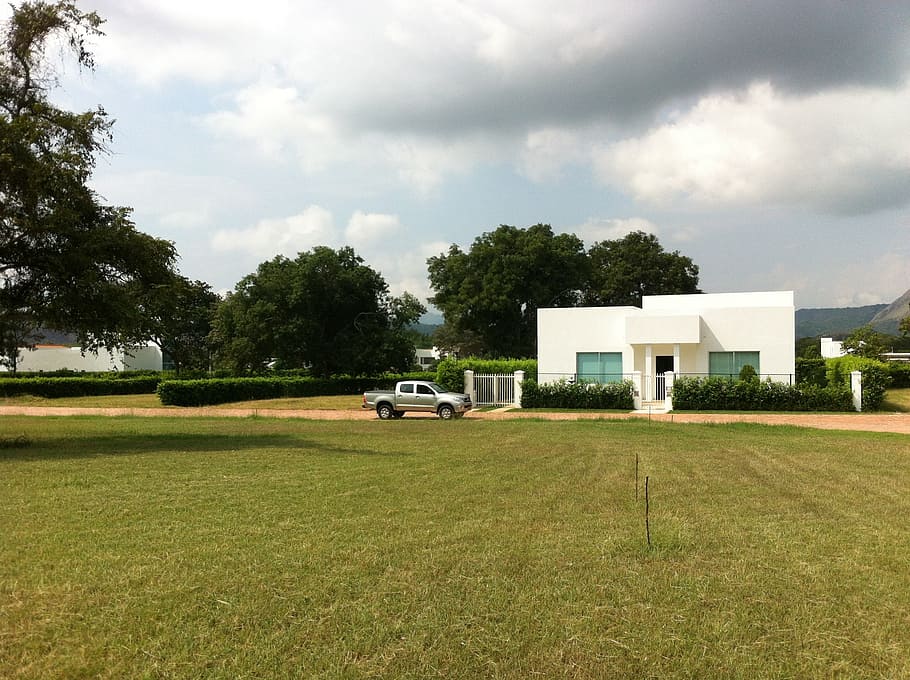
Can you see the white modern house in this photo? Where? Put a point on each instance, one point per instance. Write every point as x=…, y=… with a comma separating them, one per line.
x=670, y=335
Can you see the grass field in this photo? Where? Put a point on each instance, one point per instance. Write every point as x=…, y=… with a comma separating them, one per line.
x=259, y=548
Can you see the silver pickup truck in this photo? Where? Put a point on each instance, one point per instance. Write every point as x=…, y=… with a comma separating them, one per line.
x=417, y=395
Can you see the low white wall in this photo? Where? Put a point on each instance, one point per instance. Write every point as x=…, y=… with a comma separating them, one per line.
x=48, y=359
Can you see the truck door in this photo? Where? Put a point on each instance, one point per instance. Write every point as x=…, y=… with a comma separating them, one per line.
x=406, y=397
x=426, y=398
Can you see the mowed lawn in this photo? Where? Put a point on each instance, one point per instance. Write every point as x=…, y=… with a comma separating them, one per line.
x=259, y=548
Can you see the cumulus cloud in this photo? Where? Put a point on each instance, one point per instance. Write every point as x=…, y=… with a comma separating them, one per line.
x=368, y=228
x=843, y=151
x=597, y=229
x=281, y=236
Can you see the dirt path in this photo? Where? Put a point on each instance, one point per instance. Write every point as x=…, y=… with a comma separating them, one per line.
x=868, y=422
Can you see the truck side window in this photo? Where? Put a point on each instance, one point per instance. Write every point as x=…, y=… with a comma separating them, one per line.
x=407, y=388
x=423, y=389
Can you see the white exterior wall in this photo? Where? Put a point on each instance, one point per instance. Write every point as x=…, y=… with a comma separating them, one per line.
x=563, y=332
x=831, y=349
x=664, y=326
x=71, y=358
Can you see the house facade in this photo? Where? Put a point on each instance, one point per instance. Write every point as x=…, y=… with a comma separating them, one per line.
x=46, y=358
x=685, y=335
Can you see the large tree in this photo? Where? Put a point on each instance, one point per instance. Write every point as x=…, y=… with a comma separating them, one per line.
x=325, y=310
x=178, y=319
x=623, y=270
x=66, y=260
x=493, y=291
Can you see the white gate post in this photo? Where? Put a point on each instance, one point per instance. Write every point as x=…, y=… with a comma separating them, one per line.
x=856, y=386
x=636, y=390
x=669, y=380
x=469, y=385
x=519, y=378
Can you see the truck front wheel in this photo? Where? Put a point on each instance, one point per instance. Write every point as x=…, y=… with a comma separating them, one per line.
x=446, y=412
x=385, y=411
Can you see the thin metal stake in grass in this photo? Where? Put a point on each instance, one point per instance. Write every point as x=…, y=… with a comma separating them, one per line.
x=636, y=477
x=647, y=514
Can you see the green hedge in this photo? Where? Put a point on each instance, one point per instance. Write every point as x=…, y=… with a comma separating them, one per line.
x=450, y=372
x=899, y=373
x=224, y=390
x=811, y=371
x=53, y=388
x=875, y=378
x=562, y=394
x=727, y=394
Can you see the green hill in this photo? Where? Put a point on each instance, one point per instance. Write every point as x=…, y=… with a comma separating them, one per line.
x=834, y=321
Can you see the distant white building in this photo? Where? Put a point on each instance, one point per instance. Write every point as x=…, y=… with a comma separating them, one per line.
x=428, y=357
x=832, y=349
x=699, y=335
x=46, y=358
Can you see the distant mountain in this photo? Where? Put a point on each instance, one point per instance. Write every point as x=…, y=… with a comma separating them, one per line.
x=888, y=319
x=834, y=321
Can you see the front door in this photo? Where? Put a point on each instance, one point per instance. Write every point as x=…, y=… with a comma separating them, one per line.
x=662, y=364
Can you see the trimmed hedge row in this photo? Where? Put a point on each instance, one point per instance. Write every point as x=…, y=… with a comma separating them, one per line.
x=899, y=373
x=53, y=388
x=727, y=394
x=224, y=390
x=563, y=394
x=450, y=372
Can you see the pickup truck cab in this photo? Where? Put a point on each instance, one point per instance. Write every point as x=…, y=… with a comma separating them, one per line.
x=417, y=395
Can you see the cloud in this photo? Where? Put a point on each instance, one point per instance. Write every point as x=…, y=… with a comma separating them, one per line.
x=286, y=236
x=598, y=229
x=368, y=228
x=843, y=152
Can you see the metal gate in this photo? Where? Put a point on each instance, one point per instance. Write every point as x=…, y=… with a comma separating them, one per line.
x=494, y=390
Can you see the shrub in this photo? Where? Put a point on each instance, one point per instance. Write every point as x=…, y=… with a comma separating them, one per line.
x=224, y=390
x=563, y=394
x=876, y=378
x=53, y=388
x=450, y=372
x=899, y=374
x=811, y=371
x=726, y=394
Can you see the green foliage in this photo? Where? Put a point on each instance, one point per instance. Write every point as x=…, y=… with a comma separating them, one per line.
x=52, y=388
x=68, y=262
x=904, y=327
x=876, y=378
x=811, y=371
x=865, y=342
x=581, y=395
x=492, y=292
x=747, y=373
x=450, y=372
x=325, y=310
x=727, y=394
x=899, y=373
x=624, y=270
x=808, y=348
x=225, y=390
x=178, y=317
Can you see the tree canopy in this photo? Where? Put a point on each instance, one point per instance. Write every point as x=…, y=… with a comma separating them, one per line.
x=325, y=310
x=489, y=296
x=66, y=260
x=866, y=342
x=493, y=291
x=626, y=269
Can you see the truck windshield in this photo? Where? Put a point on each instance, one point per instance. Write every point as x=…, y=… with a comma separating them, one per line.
x=437, y=388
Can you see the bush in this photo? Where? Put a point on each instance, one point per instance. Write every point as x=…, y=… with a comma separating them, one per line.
x=811, y=371
x=54, y=388
x=224, y=390
x=563, y=394
x=450, y=372
x=899, y=374
x=726, y=394
x=876, y=378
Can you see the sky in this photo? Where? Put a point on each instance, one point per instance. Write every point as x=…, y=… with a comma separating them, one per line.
x=768, y=141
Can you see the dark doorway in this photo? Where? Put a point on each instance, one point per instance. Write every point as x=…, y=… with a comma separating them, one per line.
x=662, y=364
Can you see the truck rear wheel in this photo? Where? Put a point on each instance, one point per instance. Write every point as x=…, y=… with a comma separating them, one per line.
x=385, y=411
x=446, y=412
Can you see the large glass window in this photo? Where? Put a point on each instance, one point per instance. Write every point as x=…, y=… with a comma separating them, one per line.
x=731, y=363
x=599, y=367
